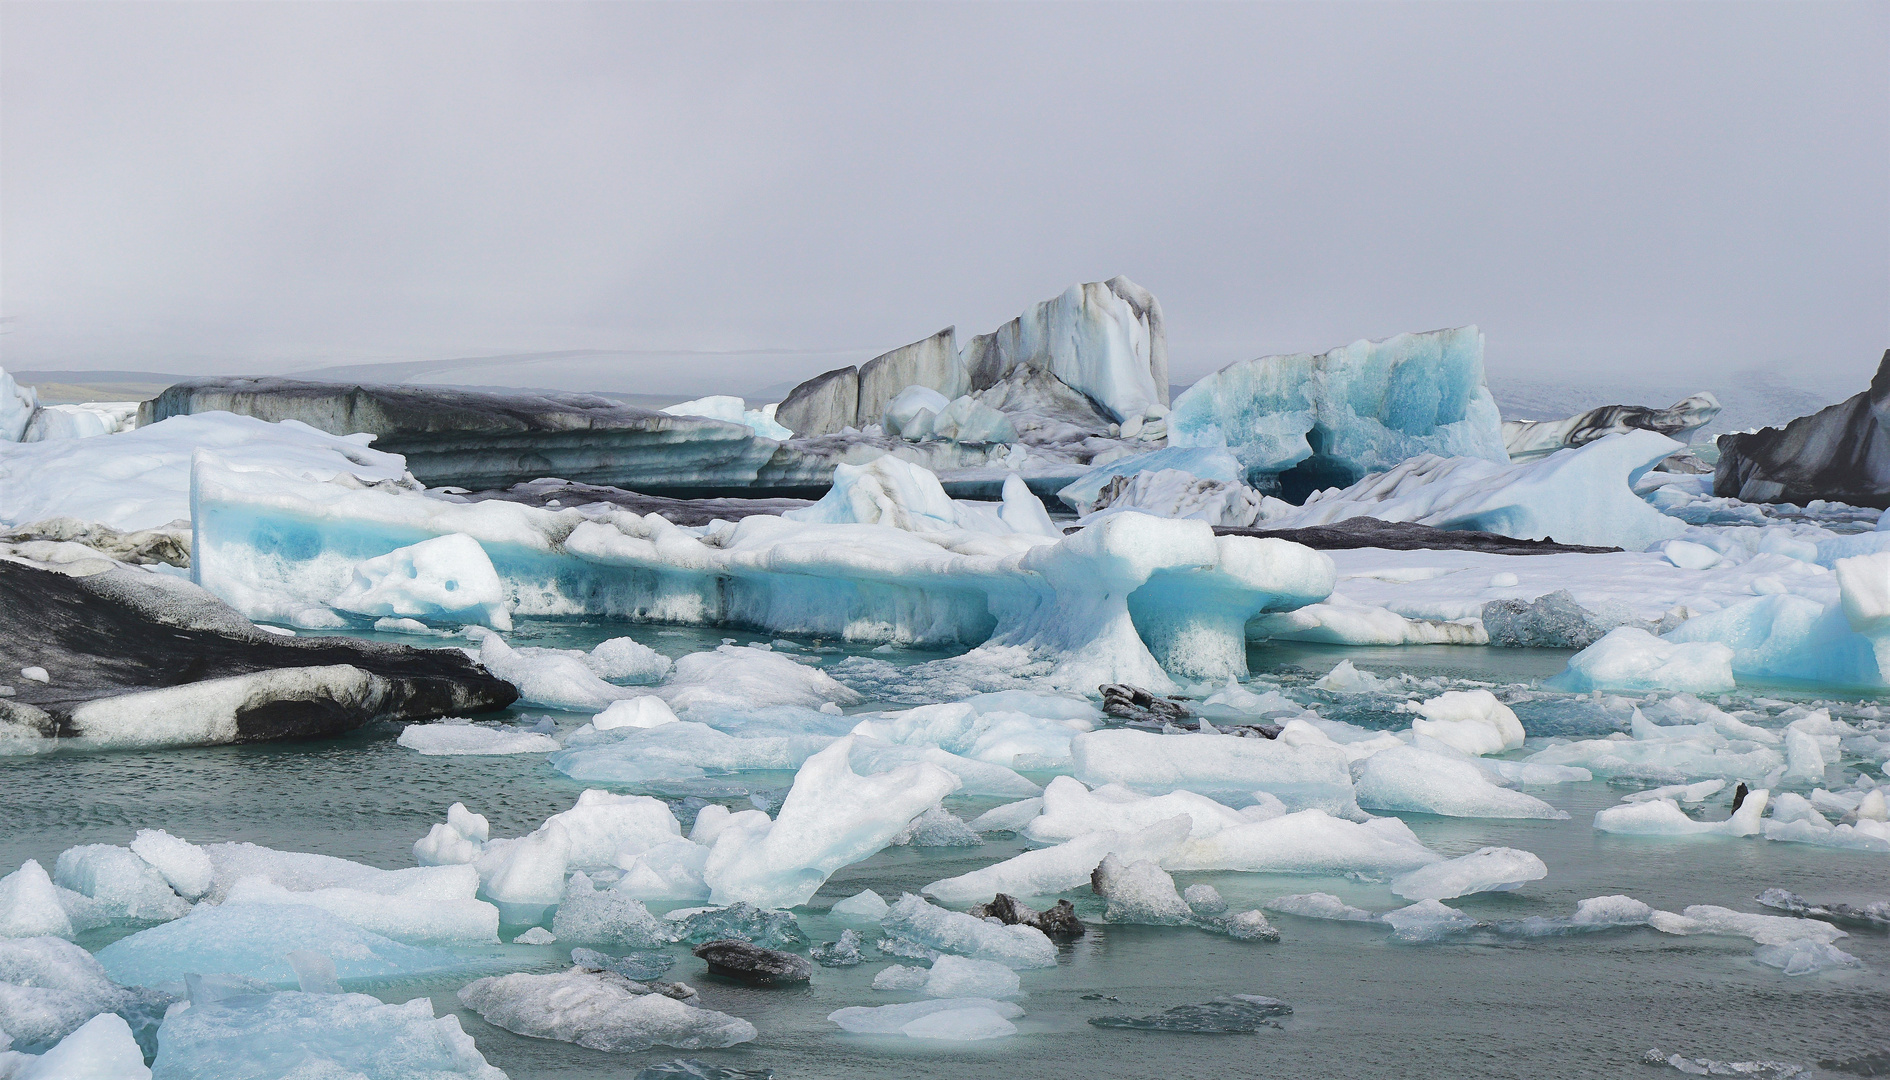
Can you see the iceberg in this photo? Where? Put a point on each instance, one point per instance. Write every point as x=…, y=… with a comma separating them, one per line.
x=1302, y=422
x=280, y=546
x=1629, y=658
x=953, y=977
x=1583, y=495
x=1663, y=817
x=275, y=1036
x=1103, y=339
x=1840, y=453
x=30, y=906
x=122, y=885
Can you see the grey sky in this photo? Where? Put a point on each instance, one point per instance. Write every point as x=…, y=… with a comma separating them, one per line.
x=1605, y=188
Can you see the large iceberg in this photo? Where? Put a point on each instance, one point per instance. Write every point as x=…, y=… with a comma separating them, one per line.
x=1112, y=603
x=1103, y=339
x=1582, y=495
x=1301, y=422
x=1840, y=453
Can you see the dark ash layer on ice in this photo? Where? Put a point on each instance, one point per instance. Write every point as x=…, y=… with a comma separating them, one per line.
x=1367, y=532
x=476, y=440
x=135, y=658
x=1839, y=454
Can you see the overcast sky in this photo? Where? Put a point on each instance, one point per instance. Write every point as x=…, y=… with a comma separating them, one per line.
x=1608, y=188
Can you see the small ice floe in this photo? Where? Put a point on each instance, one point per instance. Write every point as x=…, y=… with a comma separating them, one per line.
x=1223, y=1015
x=945, y=1019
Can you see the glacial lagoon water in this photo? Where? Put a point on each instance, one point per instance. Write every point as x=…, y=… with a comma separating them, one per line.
x=1585, y=1005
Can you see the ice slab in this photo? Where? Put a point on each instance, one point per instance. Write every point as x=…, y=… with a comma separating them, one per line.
x=916, y=927
x=252, y=940
x=1210, y=764
x=1308, y=842
x=458, y=737
x=1412, y=779
x=291, y=1034
x=601, y=1011
x=965, y=1018
x=953, y=977
x=1052, y=870
x=101, y=1049
x=1632, y=659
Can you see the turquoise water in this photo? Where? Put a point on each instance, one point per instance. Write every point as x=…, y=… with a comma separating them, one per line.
x=1578, y=1006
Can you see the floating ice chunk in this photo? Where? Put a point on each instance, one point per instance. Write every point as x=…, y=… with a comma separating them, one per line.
x=461, y=738
x=1346, y=679
x=923, y=927
x=1711, y=756
x=1629, y=658
x=1663, y=817
x=1139, y=892
x=1761, y=929
x=712, y=819
x=1691, y=794
x=1052, y=870
x=997, y=737
x=1011, y=817
x=959, y=1025
x=447, y=579
x=974, y=777
x=606, y=917
x=832, y=817
x=527, y=871
x=101, y=1049
x=952, y=977
x=1708, y=1067
x=460, y=840
x=48, y=987
x=29, y=904
x=734, y=679
x=678, y=751
x=1865, y=835
x=253, y=940
x=1473, y=721
x=1805, y=957
x=554, y=678
x=183, y=864
x=866, y=906
x=1210, y=763
x=894, y=1019
x=1319, y=905
x=1616, y=910
x=627, y=659
x=1490, y=869
x=1688, y=555
x=600, y=1010
x=647, y=711
x=844, y=952
x=1408, y=778
x=1070, y=810
x=602, y=827
x=670, y=871
x=428, y=906
x=1426, y=921
x=124, y=886
x=537, y=935
x=1307, y=842
x=938, y=827
x=332, y=1034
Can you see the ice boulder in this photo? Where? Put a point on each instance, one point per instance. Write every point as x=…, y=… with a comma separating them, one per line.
x=603, y=827
x=1489, y=869
x=647, y=711
x=1583, y=495
x=276, y=1036
x=123, y=885
x=1103, y=339
x=1069, y=810
x=731, y=679
x=1472, y=721
x=49, y=986
x=29, y=904
x=101, y=1049
x=832, y=817
x=606, y=917
x=600, y=1010
x=183, y=864
x=1303, y=422
x=529, y=871
x=1412, y=779
x=1631, y=659
x=448, y=579
x=884, y=491
x=1139, y=892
